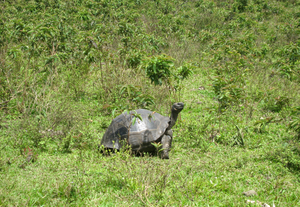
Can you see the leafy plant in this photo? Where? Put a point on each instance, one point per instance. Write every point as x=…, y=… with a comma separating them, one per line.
x=134, y=118
x=158, y=147
x=134, y=59
x=227, y=91
x=182, y=73
x=159, y=68
x=238, y=139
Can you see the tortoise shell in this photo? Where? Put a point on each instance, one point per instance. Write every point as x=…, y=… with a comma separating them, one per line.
x=139, y=136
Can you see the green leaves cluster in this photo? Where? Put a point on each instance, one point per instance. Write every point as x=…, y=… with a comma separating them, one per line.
x=158, y=68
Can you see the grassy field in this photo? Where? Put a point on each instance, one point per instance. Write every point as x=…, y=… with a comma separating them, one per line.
x=67, y=68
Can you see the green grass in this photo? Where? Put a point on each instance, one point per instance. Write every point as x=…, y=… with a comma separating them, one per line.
x=191, y=177
x=67, y=68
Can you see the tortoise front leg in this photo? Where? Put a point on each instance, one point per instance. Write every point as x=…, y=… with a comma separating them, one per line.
x=166, y=142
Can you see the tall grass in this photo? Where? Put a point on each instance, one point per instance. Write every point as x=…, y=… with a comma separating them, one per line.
x=67, y=68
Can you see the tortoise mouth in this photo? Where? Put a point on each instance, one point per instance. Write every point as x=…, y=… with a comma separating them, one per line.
x=178, y=106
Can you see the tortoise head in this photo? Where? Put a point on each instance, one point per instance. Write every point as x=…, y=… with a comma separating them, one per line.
x=177, y=107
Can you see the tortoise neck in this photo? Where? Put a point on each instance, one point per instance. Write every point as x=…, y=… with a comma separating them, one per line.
x=173, y=119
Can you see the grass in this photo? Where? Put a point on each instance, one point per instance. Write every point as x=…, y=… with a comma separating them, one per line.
x=215, y=178
x=67, y=68
x=199, y=173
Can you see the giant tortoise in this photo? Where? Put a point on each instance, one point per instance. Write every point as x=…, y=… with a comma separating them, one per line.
x=140, y=135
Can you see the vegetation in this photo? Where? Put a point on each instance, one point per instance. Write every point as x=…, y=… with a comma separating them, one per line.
x=67, y=68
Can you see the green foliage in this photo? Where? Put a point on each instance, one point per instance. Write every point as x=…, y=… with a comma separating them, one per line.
x=289, y=60
x=135, y=98
x=231, y=69
x=159, y=68
x=278, y=104
x=227, y=91
x=195, y=135
x=134, y=116
x=158, y=147
x=240, y=5
x=182, y=73
x=134, y=59
x=238, y=139
x=67, y=66
x=295, y=123
x=286, y=154
x=262, y=123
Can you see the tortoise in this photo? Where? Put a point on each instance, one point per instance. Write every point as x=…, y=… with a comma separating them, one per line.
x=140, y=136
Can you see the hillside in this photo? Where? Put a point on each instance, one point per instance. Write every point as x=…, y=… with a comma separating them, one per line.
x=67, y=68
